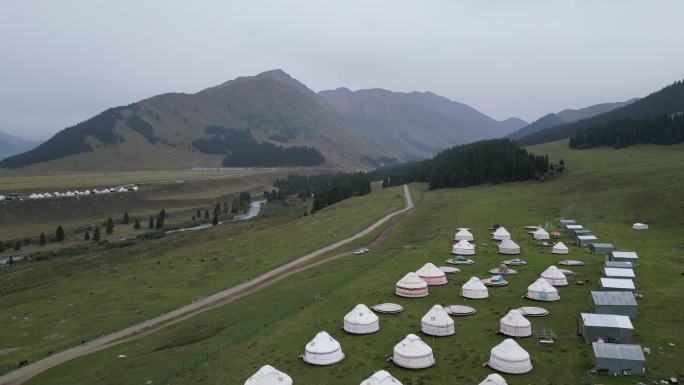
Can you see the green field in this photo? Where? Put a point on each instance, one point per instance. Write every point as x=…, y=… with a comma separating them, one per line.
x=604, y=189
x=58, y=302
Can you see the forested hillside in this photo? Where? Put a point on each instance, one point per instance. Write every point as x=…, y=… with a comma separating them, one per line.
x=664, y=129
x=326, y=189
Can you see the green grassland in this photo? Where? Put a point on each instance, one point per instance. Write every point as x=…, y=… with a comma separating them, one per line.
x=49, y=304
x=604, y=189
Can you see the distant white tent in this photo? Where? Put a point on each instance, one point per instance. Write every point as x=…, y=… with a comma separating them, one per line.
x=514, y=324
x=436, y=322
x=2, y=197
x=69, y=194
x=413, y=353
x=463, y=235
x=541, y=234
x=508, y=247
x=554, y=276
x=411, y=285
x=431, y=274
x=381, y=377
x=559, y=248
x=86, y=192
x=323, y=350
x=268, y=375
x=474, y=289
x=47, y=195
x=541, y=290
x=509, y=357
x=500, y=234
x=494, y=379
x=640, y=226
x=33, y=196
x=463, y=248
x=361, y=320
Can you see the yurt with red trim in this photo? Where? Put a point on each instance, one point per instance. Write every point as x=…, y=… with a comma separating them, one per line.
x=432, y=275
x=268, y=375
x=361, y=320
x=323, y=350
x=413, y=353
x=381, y=377
x=554, y=276
x=514, y=324
x=411, y=286
x=474, y=289
x=437, y=322
x=509, y=357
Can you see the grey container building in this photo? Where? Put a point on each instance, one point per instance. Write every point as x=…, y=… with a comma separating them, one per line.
x=565, y=222
x=618, y=264
x=614, y=302
x=624, y=256
x=601, y=248
x=616, y=284
x=615, y=272
x=618, y=359
x=585, y=240
x=608, y=326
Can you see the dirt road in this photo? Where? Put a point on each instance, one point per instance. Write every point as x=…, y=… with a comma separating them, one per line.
x=27, y=372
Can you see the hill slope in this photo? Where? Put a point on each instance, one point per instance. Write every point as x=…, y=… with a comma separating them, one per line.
x=11, y=145
x=417, y=124
x=667, y=100
x=566, y=116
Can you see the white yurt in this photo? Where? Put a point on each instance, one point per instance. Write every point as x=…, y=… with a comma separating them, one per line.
x=361, y=320
x=474, y=289
x=431, y=274
x=508, y=247
x=411, y=285
x=463, y=248
x=514, y=324
x=2, y=197
x=500, y=234
x=559, y=248
x=33, y=196
x=47, y=195
x=541, y=234
x=413, y=353
x=554, y=276
x=69, y=194
x=381, y=377
x=436, y=322
x=323, y=350
x=86, y=192
x=541, y=290
x=494, y=379
x=268, y=375
x=640, y=226
x=509, y=357
x=463, y=235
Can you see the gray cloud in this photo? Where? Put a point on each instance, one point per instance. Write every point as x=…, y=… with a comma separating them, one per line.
x=63, y=61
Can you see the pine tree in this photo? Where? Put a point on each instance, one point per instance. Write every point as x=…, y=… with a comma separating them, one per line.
x=10, y=261
x=206, y=214
x=125, y=218
x=160, y=219
x=198, y=214
x=110, y=226
x=17, y=246
x=194, y=218
x=42, y=240
x=2, y=246
x=96, y=234
x=86, y=236
x=59, y=234
x=150, y=223
x=136, y=224
x=215, y=219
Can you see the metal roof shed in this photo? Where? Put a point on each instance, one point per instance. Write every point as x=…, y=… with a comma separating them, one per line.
x=614, y=302
x=585, y=240
x=565, y=222
x=618, y=264
x=614, y=272
x=624, y=256
x=578, y=232
x=618, y=359
x=573, y=227
x=616, y=284
x=601, y=248
x=616, y=327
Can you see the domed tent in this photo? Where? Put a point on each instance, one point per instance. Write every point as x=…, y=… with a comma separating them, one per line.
x=413, y=353
x=540, y=234
x=463, y=235
x=432, y=275
x=436, y=322
x=381, y=377
x=508, y=247
x=463, y=248
x=474, y=289
x=323, y=350
x=514, y=324
x=559, y=248
x=509, y=357
x=411, y=285
x=268, y=375
x=361, y=320
x=494, y=379
x=541, y=290
x=500, y=234
x=554, y=276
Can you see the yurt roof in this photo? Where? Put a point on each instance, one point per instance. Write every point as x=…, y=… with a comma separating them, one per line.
x=474, y=283
x=542, y=285
x=268, y=375
x=606, y=320
x=553, y=272
x=412, y=346
x=463, y=232
x=323, y=343
x=437, y=316
x=515, y=318
x=411, y=280
x=540, y=231
x=381, y=377
x=463, y=244
x=560, y=245
x=508, y=244
x=501, y=231
x=509, y=350
x=361, y=315
x=494, y=379
x=430, y=270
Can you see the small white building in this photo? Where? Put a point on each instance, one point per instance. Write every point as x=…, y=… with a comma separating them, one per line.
x=413, y=353
x=411, y=286
x=541, y=234
x=500, y=234
x=640, y=226
x=514, y=324
x=463, y=248
x=381, y=377
x=432, y=275
x=494, y=379
x=323, y=350
x=361, y=320
x=509, y=357
x=474, y=289
x=559, y=248
x=268, y=375
x=436, y=322
x=463, y=235
x=554, y=276
x=508, y=247
x=616, y=272
x=541, y=290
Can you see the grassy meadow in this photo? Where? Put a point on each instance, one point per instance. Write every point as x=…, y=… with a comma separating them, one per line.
x=606, y=190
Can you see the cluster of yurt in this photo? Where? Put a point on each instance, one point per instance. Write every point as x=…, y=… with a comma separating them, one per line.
x=323, y=350
x=508, y=247
x=432, y=275
x=463, y=247
x=474, y=289
x=361, y=320
x=509, y=357
x=75, y=193
x=554, y=276
x=411, y=286
x=413, y=353
x=542, y=290
x=514, y=324
x=437, y=322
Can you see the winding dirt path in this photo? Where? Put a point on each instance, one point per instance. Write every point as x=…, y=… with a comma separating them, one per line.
x=152, y=325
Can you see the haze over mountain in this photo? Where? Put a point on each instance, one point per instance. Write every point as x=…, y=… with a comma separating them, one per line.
x=414, y=124
x=351, y=130
x=566, y=116
x=11, y=145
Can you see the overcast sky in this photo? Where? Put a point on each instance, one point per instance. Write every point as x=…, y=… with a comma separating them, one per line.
x=64, y=61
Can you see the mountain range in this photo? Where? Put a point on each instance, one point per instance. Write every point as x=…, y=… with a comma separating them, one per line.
x=351, y=129
x=11, y=145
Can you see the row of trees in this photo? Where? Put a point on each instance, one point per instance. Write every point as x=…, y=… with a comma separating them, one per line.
x=325, y=189
x=487, y=161
x=662, y=129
